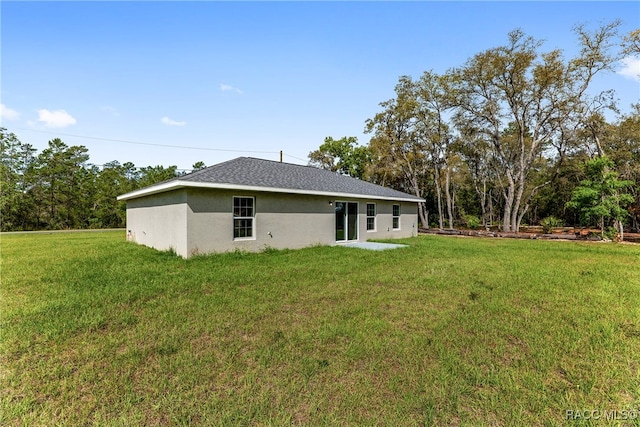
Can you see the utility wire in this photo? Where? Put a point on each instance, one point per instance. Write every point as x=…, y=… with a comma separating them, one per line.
x=161, y=145
x=150, y=143
x=293, y=157
x=137, y=167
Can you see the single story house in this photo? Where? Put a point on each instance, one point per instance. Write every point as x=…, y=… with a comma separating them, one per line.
x=252, y=204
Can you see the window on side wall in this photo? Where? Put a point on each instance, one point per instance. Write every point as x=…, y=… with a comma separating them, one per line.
x=396, y=217
x=371, y=217
x=243, y=217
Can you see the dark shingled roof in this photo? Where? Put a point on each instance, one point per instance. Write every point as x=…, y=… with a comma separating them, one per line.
x=271, y=175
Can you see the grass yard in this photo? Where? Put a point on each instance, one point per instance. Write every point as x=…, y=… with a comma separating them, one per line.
x=449, y=331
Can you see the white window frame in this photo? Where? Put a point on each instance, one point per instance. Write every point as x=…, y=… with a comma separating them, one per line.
x=252, y=218
x=393, y=216
x=375, y=211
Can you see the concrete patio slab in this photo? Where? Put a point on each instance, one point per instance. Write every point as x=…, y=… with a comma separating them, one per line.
x=373, y=246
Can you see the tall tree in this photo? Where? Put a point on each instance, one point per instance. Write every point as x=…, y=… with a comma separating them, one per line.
x=343, y=155
x=395, y=147
x=113, y=180
x=16, y=177
x=61, y=184
x=530, y=94
x=154, y=174
x=623, y=144
x=434, y=95
x=198, y=166
x=631, y=43
x=478, y=157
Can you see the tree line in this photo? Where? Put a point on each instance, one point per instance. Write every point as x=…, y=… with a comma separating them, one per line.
x=514, y=136
x=58, y=189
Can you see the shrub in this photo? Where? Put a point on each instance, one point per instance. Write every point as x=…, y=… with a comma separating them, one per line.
x=549, y=223
x=472, y=222
x=612, y=233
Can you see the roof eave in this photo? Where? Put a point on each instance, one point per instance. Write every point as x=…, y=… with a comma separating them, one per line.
x=177, y=184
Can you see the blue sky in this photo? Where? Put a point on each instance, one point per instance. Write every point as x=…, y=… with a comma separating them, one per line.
x=246, y=78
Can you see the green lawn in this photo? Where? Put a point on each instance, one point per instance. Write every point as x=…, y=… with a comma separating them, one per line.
x=448, y=331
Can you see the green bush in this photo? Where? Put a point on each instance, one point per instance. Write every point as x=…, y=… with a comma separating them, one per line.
x=611, y=233
x=472, y=221
x=549, y=223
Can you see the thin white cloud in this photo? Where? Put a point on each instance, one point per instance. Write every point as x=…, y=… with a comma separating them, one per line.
x=630, y=68
x=167, y=121
x=7, y=113
x=227, y=88
x=55, y=119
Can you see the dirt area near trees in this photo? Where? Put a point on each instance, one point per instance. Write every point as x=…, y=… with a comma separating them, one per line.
x=561, y=233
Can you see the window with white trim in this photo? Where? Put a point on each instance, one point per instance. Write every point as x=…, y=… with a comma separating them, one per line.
x=396, y=217
x=371, y=217
x=243, y=217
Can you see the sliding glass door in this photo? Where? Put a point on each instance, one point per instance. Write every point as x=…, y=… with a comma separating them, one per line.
x=346, y=221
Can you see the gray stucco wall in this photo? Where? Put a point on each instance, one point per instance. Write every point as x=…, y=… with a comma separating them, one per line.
x=159, y=221
x=281, y=221
x=194, y=221
x=384, y=220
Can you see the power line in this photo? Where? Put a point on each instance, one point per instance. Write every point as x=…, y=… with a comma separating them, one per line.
x=293, y=157
x=151, y=143
x=139, y=167
x=161, y=145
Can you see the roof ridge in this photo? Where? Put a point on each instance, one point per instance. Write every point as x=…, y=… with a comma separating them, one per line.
x=200, y=171
x=274, y=161
x=301, y=166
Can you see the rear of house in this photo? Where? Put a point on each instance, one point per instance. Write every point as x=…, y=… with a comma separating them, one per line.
x=253, y=204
